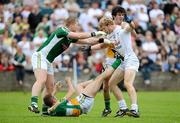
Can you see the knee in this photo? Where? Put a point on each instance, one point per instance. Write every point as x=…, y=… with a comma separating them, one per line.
x=128, y=85
x=42, y=80
x=80, y=85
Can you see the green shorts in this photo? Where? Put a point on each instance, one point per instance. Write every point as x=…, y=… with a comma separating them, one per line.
x=116, y=63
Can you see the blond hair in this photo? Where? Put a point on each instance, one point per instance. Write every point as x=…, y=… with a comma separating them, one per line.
x=70, y=21
x=105, y=21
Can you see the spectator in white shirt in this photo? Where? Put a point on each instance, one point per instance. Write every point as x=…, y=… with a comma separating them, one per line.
x=61, y=13
x=155, y=12
x=95, y=12
x=143, y=19
x=85, y=19
x=39, y=39
x=150, y=47
x=72, y=7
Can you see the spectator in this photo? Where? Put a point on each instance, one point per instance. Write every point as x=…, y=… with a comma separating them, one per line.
x=169, y=36
x=61, y=14
x=46, y=10
x=177, y=27
x=150, y=47
x=34, y=18
x=17, y=28
x=155, y=12
x=143, y=19
x=72, y=7
x=19, y=63
x=25, y=46
x=85, y=19
x=39, y=39
x=26, y=11
x=44, y=25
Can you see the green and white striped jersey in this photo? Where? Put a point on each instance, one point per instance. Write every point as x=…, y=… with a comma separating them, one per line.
x=56, y=44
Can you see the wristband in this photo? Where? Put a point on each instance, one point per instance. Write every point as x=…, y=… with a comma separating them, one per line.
x=93, y=34
x=101, y=40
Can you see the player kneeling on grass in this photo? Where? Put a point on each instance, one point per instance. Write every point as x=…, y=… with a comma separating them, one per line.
x=83, y=103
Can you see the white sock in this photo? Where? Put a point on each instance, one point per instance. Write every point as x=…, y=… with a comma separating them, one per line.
x=122, y=104
x=134, y=107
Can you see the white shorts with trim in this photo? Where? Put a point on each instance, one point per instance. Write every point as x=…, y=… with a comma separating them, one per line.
x=131, y=62
x=40, y=62
x=85, y=102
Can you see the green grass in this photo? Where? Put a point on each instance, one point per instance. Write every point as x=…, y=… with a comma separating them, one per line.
x=155, y=107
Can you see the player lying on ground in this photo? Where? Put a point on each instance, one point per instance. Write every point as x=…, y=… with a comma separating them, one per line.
x=83, y=103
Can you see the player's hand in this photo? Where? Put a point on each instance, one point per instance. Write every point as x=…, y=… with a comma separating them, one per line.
x=58, y=85
x=98, y=34
x=86, y=49
x=127, y=19
x=50, y=110
x=106, y=41
x=67, y=79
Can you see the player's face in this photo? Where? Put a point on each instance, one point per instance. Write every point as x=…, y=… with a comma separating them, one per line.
x=74, y=27
x=107, y=28
x=119, y=18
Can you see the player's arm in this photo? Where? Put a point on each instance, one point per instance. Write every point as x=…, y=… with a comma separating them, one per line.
x=103, y=43
x=53, y=107
x=129, y=26
x=90, y=41
x=93, y=41
x=83, y=35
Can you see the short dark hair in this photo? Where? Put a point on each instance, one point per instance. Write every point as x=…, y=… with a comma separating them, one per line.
x=118, y=9
x=48, y=100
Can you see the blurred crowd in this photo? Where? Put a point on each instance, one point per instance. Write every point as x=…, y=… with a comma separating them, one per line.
x=25, y=25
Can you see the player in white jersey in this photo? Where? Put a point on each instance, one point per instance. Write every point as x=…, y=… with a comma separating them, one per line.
x=117, y=13
x=127, y=69
x=56, y=44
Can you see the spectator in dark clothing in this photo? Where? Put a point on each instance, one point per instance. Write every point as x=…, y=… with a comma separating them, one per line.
x=147, y=66
x=19, y=62
x=34, y=18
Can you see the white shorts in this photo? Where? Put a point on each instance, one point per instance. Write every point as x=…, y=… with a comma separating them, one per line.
x=130, y=62
x=86, y=103
x=40, y=62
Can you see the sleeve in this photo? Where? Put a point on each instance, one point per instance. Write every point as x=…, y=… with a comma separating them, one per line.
x=61, y=32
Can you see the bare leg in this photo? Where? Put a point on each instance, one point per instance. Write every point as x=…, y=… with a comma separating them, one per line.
x=94, y=87
x=128, y=81
x=41, y=77
x=80, y=87
x=117, y=76
x=106, y=89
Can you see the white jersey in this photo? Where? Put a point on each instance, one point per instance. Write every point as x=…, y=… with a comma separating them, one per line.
x=122, y=40
x=123, y=45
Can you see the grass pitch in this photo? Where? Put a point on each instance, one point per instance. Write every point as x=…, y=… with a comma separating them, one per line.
x=155, y=107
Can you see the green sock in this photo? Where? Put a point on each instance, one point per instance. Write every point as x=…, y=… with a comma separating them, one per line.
x=34, y=100
x=107, y=103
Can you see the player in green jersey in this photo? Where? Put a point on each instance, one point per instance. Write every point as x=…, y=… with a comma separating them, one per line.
x=83, y=103
x=56, y=44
